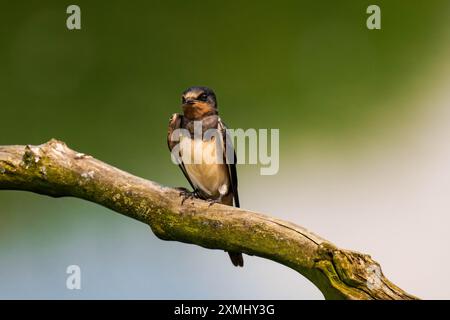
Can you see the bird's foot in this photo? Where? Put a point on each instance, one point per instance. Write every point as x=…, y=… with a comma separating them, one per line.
x=186, y=194
x=214, y=201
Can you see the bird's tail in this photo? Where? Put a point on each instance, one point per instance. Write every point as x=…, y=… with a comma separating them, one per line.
x=237, y=259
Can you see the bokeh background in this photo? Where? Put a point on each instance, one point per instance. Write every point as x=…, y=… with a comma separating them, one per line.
x=364, y=125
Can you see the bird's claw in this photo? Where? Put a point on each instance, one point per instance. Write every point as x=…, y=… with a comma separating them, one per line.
x=186, y=194
x=214, y=201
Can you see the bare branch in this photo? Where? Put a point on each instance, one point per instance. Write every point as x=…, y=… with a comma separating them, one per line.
x=55, y=170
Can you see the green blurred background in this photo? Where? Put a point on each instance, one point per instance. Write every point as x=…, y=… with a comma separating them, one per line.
x=362, y=119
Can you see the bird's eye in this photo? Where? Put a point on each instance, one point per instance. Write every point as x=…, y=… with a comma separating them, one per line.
x=203, y=97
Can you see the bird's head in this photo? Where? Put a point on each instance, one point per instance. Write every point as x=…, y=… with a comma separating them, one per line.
x=198, y=102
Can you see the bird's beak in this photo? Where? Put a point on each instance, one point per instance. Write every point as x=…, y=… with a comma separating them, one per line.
x=189, y=103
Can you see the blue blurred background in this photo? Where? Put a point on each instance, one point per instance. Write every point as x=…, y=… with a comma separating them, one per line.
x=364, y=125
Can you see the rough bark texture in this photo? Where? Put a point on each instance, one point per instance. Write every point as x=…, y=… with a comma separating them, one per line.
x=55, y=170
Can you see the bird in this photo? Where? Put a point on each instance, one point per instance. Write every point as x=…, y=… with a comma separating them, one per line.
x=214, y=181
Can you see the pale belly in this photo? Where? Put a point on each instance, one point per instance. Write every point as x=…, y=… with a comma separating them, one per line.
x=204, y=168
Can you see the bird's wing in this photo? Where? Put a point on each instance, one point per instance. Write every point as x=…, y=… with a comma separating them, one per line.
x=231, y=163
x=175, y=123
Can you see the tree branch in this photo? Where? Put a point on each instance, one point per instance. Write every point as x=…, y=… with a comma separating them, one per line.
x=55, y=170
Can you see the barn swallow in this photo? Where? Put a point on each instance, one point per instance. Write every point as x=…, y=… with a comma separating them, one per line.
x=214, y=181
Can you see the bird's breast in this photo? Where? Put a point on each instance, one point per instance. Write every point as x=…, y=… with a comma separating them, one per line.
x=202, y=160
